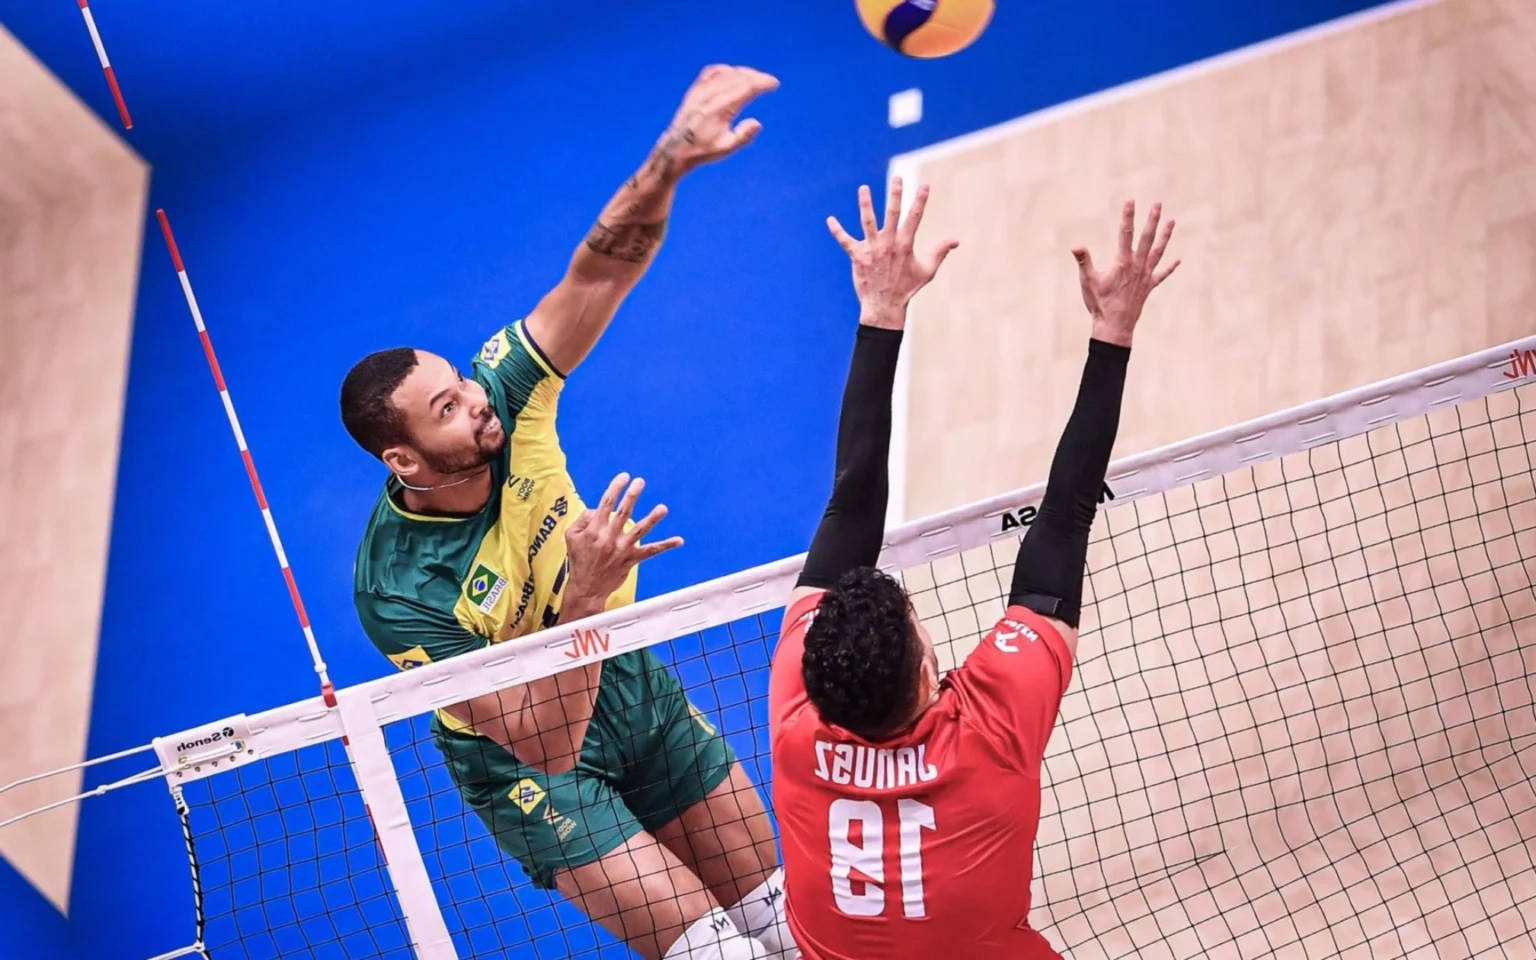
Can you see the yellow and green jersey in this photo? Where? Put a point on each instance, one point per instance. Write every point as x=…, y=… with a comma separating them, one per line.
x=428, y=588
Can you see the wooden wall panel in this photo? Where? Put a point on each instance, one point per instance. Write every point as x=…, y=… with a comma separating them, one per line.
x=72, y=201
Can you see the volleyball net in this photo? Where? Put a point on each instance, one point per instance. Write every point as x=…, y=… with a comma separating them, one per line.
x=1301, y=723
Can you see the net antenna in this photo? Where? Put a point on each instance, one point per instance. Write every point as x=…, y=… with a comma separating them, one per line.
x=106, y=66
x=228, y=742
x=327, y=690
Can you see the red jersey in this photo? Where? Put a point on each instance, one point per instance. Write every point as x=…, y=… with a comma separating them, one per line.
x=920, y=845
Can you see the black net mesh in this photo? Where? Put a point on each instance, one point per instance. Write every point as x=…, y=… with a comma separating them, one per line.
x=1300, y=725
x=689, y=708
x=287, y=863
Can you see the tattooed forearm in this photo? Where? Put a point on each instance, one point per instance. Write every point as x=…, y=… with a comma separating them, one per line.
x=630, y=242
x=663, y=160
x=633, y=224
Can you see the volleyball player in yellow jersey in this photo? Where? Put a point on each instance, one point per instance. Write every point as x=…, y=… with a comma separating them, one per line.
x=603, y=781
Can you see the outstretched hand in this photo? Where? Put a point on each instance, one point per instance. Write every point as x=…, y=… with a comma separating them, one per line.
x=1115, y=296
x=887, y=272
x=705, y=128
x=603, y=546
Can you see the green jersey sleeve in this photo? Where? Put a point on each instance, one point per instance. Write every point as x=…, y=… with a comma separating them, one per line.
x=514, y=361
x=413, y=634
x=525, y=389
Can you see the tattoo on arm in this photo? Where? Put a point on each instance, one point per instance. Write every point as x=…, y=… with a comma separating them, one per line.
x=663, y=162
x=622, y=234
x=630, y=242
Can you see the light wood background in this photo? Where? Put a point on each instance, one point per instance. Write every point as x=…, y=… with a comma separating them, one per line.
x=1352, y=207
x=1302, y=722
x=72, y=201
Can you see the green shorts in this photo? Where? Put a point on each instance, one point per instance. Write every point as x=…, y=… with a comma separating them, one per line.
x=648, y=756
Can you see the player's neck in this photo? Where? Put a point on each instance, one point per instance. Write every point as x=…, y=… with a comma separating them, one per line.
x=922, y=711
x=447, y=498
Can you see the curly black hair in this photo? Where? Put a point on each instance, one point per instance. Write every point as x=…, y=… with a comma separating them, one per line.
x=368, y=408
x=861, y=664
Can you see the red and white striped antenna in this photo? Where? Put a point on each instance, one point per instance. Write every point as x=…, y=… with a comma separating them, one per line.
x=106, y=66
x=326, y=689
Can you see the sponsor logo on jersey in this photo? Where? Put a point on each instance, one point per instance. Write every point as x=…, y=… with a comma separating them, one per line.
x=410, y=659
x=1024, y=516
x=494, y=349
x=522, y=601
x=1009, y=631
x=485, y=587
x=557, y=510
x=1022, y=628
x=522, y=486
x=527, y=795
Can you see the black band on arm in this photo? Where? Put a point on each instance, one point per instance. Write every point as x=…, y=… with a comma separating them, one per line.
x=1048, y=574
x=854, y=522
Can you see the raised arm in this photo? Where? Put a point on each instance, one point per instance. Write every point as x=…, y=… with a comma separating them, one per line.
x=1048, y=572
x=886, y=275
x=605, y=268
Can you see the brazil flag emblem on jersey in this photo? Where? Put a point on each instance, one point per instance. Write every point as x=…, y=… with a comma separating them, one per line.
x=485, y=587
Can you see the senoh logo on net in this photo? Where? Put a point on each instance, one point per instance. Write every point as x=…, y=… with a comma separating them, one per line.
x=225, y=736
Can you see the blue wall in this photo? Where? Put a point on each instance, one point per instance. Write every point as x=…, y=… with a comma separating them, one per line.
x=432, y=207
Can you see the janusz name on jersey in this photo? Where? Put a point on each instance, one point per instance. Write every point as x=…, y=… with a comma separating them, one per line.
x=879, y=768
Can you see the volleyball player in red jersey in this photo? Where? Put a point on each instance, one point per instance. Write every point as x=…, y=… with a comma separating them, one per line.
x=908, y=803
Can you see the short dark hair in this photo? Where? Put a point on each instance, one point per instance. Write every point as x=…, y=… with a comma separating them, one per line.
x=861, y=664
x=368, y=409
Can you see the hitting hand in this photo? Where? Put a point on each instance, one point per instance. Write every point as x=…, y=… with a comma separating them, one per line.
x=705, y=128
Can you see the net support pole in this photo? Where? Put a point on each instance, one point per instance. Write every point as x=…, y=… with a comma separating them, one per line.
x=380, y=787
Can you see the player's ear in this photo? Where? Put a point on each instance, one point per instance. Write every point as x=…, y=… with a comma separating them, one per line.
x=928, y=666
x=928, y=681
x=401, y=461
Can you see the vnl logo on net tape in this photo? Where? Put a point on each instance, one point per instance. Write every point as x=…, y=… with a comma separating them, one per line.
x=219, y=744
x=1522, y=363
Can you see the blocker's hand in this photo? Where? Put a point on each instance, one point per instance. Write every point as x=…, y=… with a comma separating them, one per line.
x=887, y=272
x=603, y=546
x=705, y=128
x=1114, y=297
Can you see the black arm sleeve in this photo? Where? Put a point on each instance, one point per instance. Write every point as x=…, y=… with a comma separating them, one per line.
x=1048, y=574
x=854, y=522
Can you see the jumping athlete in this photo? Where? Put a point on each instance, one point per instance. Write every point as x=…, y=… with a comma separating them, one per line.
x=603, y=781
x=908, y=802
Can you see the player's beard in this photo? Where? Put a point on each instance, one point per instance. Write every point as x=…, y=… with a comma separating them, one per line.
x=485, y=450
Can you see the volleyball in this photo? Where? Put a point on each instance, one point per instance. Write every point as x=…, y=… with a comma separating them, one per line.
x=926, y=28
